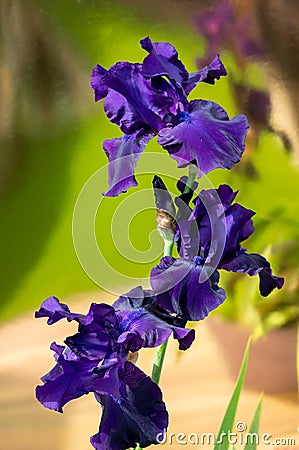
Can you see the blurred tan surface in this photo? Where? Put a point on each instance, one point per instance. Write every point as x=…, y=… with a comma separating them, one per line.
x=196, y=388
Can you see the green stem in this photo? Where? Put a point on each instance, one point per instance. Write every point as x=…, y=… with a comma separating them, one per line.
x=158, y=362
x=160, y=352
x=168, y=247
x=191, y=178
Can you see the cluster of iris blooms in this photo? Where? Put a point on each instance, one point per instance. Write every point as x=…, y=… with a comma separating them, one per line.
x=146, y=100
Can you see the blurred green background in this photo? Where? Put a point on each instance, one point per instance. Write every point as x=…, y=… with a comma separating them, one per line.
x=51, y=135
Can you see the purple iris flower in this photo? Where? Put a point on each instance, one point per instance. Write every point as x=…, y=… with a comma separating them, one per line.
x=151, y=99
x=208, y=238
x=95, y=359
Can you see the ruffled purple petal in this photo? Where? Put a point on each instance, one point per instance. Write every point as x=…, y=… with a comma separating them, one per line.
x=123, y=154
x=100, y=319
x=69, y=379
x=179, y=290
x=207, y=74
x=205, y=134
x=134, y=299
x=226, y=195
x=268, y=282
x=131, y=101
x=254, y=264
x=162, y=61
x=232, y=224
x=55, y=311
x=204, y=233
x=239, y=227
x=143, y=318
x=93, y=321
x=139, y=416
x=94, y=346
x=98, y=82
x=75, y=375
x=152, y=330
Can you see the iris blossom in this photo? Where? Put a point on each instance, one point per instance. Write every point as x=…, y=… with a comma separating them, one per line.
x=208, y=237
x=150, y=99
x=96, y=359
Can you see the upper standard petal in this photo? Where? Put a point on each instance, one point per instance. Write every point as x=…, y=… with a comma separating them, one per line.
x=162, y=60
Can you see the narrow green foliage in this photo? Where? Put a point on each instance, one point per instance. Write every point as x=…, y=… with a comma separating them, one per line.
x=254, y=428
x=222, y=442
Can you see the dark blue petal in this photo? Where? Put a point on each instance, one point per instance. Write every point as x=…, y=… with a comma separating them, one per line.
x=179, y=289
x=205, y=135
x=226, y=195
x=131, y=101
x=207, y=74
x=139, y=315
x=151, y=329
x=139, y=416
x=207, y=227
x=123, y=154
x=232, y=224
x=97, y=318
x=254, y=264
x=162, y=60
x=74, y=376
x=239, y=227
x=100, y=319
x=68, y=380
x=134, y=299
x=131, y=341
x=98, y=82
x=55, y=311
x=90, y=345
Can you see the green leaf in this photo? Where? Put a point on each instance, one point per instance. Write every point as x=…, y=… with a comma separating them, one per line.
x=222, y=442
x=254, y=428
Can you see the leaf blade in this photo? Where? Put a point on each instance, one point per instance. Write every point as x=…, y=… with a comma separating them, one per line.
x=222, y=442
